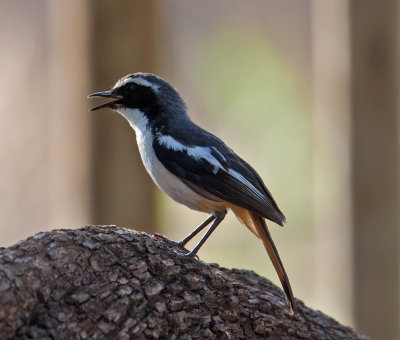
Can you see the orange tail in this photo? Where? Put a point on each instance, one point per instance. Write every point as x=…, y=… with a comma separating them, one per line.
x=263, y=233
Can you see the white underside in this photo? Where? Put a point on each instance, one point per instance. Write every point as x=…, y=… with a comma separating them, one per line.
x=164, y=179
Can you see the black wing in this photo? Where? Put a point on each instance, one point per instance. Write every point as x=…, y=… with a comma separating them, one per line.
x=234, y=181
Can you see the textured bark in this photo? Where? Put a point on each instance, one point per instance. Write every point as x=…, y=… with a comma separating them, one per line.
x=104, y=282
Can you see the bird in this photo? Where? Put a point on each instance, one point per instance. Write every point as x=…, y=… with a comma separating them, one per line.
x=192, y=166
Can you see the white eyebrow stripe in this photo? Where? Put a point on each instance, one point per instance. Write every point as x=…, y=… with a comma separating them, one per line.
x=137, y=80
x=145, y=82
x=196, y=152
x=122, y=82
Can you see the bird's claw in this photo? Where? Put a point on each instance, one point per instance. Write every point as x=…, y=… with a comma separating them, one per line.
x=177, y=246
x=188, y=255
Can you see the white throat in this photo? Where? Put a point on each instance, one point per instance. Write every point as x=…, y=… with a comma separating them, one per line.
x=137, y=120
x=144, y=137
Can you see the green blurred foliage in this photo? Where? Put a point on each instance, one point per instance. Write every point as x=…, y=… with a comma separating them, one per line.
x=255, y=95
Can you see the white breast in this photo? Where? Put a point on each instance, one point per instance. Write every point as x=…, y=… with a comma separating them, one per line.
x=164, y=179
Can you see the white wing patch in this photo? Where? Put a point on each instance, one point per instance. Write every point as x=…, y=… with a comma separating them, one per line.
x=242, y=179
x=196, y=152
x=203, y=152
x=219, y=153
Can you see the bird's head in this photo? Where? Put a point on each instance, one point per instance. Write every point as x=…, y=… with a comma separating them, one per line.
x=145, y=92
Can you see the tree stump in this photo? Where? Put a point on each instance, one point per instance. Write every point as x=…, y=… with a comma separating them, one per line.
x=105, y=282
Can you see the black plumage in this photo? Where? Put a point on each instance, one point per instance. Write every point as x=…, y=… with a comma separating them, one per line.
x=221, y=183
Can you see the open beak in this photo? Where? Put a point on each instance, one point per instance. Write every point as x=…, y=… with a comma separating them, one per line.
x=114, y=104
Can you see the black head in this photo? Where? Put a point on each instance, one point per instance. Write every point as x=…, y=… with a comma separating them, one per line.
x=143, y=91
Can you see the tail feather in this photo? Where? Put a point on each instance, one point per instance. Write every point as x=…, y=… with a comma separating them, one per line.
x=269, y=245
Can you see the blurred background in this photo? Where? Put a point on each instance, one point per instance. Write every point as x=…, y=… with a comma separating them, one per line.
x=306, y=91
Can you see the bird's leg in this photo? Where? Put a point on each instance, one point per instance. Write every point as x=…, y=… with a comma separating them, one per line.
x=218, y=219
x=181, y=244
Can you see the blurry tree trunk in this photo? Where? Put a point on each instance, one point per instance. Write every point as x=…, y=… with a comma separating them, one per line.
x=331, y=112
x=375, y=43
x=69, y=140
x=44, y=151
x=122, y=42
x=104, y=282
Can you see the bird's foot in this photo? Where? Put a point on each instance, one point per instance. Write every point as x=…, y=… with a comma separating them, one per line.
x=177, y=246
x=188, y=255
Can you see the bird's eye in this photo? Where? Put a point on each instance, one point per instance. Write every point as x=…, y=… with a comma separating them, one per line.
x=130, y=87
